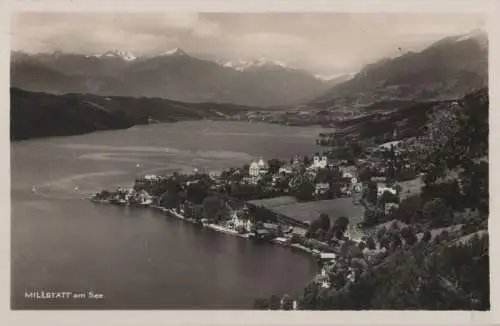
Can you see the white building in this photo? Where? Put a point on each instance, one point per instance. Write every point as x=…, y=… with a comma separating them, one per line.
x=326, y=284
x=240, y=222
x=286, y=169
x=321, y=188
x=258, y=168
x=254, y=170
x=383, y=188
x=319, y=162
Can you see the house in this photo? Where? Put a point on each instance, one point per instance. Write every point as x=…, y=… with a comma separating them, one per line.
x=346, y=191
x=263, y=167
x=389, y=207
x=327, y=256
x=319, y=161
x=358, y=187
x=254, y=170
x=321, y=188
x=381, y=188
x=239, y=222
x=298, y=231
x=258, y=168
x=326, y=284
x=286, y=169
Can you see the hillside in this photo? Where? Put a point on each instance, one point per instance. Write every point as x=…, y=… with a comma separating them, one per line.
x=408, y=118
x=434, y=252
x=448, y=69
x=36, y=115
x=172, y=75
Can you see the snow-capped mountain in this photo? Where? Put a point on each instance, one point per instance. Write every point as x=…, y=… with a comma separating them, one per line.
x=173, y=52
x=124, y=55
x=242, y=65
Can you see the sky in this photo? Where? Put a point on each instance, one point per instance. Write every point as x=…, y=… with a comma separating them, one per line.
x=323, y=43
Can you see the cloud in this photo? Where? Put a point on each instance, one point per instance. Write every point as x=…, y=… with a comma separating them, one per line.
x=273, y=39
x=313, y=40
x=205, y=28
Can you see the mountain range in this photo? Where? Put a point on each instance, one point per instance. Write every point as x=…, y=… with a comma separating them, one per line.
x=172, y=75
x=72, y=94
x=447, y=69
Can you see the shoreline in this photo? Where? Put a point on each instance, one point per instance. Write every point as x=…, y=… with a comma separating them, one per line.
x=214, y=227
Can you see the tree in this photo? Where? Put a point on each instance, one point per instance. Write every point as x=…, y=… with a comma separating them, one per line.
x=354, y=150
x=395, y=241
x=196, y=193
x=211, y=206
x=410, y=209
x=261, y=304
x=304, y=191
x=475, y=179
x=449, y=192
x=366, y=174
x=408, y=236
x=427, y=236
x=170, y=200
x=324, y=221
x=340, y=226
x=274, y=302
x=370, y=243
x=274, y=165
x=372, y=195
x=372, y=216
x=385, y=241
x=388, y=197
x=306, y=161
x=381, y=233
x=320, y=234
x=437, y=212
x=323, y=175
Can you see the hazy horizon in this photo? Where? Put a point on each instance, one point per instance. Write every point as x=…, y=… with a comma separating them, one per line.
x=322, y=43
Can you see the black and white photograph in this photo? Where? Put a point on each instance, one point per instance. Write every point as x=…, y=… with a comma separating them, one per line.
x=268, y=161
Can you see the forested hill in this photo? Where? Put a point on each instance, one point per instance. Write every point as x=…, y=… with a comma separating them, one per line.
x=439, y=258
x=36, y=115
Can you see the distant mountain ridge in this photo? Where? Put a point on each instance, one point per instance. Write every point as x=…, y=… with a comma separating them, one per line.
x=34, y=115
x=172, y=75
x=447, y=69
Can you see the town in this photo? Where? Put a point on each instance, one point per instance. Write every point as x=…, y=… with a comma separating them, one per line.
x=349, y=210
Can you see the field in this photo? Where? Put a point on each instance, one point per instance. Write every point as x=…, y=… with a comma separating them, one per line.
x=410, y=188
x=274, y=202
x=309, y=211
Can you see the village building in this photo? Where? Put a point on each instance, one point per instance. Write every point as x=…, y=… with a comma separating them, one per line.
x=320, y=161
x=258, y=168
x=382, y=188
x=321, y=188
x=240, y=223
x=286, y=169
x=389, y=207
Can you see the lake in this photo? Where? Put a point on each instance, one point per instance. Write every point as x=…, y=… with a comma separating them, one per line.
x=140, y=258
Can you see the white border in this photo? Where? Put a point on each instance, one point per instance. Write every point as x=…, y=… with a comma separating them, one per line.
x=123, y=317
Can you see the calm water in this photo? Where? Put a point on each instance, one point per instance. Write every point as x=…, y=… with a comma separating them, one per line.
x=139, y=258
